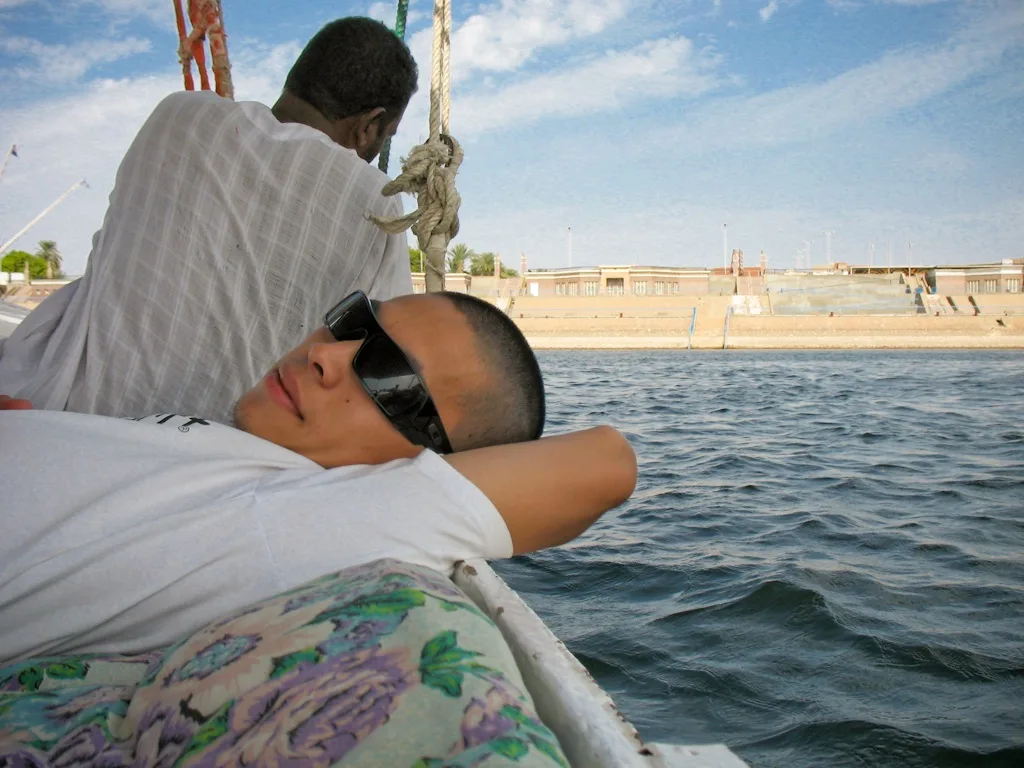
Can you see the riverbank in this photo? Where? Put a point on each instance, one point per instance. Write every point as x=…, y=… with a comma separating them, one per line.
x=710, y=322
x=718, y=322
x=779, y=342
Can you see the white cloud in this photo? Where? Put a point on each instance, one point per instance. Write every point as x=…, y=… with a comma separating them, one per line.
x=501, y=38
x=659, y=68
x=159, y=11
x=895, y=82
x=68, y=63
x=382, y=12
x=386, y=11
x=850, y=5
x=769, y=10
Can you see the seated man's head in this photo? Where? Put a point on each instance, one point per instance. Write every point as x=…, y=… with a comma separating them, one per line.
x=347, y=395
x=352, y=81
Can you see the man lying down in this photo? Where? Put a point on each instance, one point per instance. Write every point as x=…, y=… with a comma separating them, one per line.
x=144, y=530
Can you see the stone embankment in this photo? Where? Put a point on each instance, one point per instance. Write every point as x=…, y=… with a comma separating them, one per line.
x=707, y=322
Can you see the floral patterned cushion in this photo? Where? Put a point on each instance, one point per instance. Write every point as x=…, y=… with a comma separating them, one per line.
x=385, y=664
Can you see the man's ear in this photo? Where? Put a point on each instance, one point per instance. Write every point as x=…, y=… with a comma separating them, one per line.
x=368, y=128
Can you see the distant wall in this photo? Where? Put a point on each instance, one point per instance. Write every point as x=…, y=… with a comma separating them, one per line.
x=922, y=331
x=603, y=306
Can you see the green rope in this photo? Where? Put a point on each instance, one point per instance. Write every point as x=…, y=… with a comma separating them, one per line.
x=403, y=11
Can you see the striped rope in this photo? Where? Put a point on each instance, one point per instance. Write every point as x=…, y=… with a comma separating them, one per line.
x=403, y=12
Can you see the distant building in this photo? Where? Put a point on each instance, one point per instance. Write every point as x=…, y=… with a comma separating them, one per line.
x=624, y=280
x=634, y=280
x=969, y=279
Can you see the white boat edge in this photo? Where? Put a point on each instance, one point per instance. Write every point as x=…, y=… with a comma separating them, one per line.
x=592, y=731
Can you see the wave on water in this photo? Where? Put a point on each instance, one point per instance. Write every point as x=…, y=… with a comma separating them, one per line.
x=821, y=565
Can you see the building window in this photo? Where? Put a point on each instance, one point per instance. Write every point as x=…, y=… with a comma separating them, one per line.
x=675, y=287
x=574, y=289
x=559, y=289
x=1013, y=285
x=615, y=286
x=590, y=288
x=659, y=287
x=640, y=288
x=992, y=286
x=974, y=286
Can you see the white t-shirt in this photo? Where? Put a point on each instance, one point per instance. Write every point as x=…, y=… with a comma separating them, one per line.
x=123, y=536
x=228, y=236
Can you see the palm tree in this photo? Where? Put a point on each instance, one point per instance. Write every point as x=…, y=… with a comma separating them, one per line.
x=415, y=259
x=458, y=256
x=49, y=253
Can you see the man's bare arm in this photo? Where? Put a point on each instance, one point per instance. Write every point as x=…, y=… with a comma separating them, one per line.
x=551, y=490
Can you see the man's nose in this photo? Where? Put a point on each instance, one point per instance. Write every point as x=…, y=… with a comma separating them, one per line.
x=331, y=361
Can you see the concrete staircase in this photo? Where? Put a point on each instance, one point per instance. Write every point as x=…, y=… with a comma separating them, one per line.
x=709, y=329
x=841, y=294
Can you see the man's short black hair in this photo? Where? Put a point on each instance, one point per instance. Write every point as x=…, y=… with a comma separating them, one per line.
x=511, y=408
x=354, y=65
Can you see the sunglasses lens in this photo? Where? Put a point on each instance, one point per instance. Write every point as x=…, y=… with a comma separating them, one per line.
x=386, y=374
x=349, y=319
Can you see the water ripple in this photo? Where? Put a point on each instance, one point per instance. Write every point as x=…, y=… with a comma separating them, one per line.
x=821, y=565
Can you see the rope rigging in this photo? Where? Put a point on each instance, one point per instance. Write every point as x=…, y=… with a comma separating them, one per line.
x=207, y=19
x=430, y=169
x=400, y=17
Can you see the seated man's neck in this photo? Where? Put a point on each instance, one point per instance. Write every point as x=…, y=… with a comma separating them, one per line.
x=291, y=109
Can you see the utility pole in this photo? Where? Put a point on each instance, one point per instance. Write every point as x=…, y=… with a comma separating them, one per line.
x=810, y=262
x=890, y=255
x=910, y=253
x=871, y=256
x=570, y=246
x=725, y=246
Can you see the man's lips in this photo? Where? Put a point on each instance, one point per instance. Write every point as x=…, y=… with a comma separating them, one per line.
x=283, y=391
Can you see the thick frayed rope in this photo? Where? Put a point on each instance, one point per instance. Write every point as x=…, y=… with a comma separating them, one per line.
x=429, y=170
x=428, y=173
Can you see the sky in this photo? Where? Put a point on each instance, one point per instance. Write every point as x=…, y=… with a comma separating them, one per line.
x=644, y=126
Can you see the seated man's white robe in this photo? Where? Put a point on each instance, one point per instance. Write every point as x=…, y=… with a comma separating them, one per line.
x=227, y=238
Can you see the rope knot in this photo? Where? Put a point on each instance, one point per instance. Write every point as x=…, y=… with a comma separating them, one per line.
x=428, y=173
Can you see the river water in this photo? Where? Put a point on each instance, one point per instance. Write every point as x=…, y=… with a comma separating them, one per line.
x=823, y=563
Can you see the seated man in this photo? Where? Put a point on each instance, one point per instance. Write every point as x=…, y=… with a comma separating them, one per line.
x=223, y=217
x=152, y=528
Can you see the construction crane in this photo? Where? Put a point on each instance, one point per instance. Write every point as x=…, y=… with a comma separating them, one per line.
x=12, y=152
x=8, y=243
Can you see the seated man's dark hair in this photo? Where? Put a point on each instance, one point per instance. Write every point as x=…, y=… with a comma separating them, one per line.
x=510, y=409
x=351, y=66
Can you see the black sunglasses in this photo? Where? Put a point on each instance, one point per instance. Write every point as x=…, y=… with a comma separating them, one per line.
x=387, y=375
